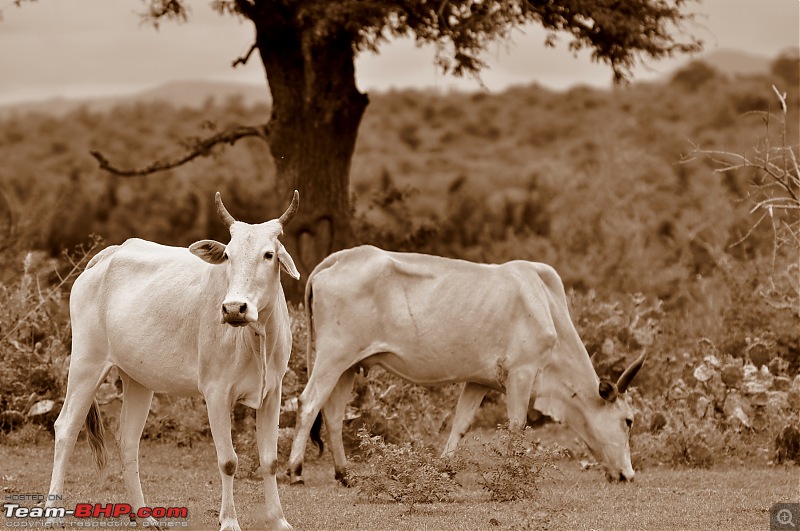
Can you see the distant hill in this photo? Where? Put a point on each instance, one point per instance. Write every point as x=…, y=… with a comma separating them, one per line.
x=737, y=62
x=194, y=93
x=179, y=93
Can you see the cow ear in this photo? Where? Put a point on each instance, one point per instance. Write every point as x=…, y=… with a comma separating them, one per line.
x=287, y=264
x=208, y=251
x=608, y=391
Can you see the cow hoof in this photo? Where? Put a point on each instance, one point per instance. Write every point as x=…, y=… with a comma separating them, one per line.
x=296, y=481
x=344, y=479
x=229, y=524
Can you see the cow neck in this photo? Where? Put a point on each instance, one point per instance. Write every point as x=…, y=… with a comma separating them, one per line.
x=262, y=329
x=567, y=386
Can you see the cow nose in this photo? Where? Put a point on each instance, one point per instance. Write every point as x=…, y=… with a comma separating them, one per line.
x=234, y=312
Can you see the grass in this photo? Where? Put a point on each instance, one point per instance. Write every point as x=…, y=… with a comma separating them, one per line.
x=660, y=498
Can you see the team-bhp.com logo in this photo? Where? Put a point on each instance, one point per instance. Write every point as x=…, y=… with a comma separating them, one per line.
x=92, y=515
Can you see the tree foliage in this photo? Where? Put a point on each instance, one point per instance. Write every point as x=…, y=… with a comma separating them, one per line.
x=616, y=32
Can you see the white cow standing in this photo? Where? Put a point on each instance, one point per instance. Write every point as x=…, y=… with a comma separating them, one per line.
x=174, y=324
x=435, y=321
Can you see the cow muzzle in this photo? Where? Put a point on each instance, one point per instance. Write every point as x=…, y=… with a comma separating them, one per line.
x=620, y=477
x=237, y=313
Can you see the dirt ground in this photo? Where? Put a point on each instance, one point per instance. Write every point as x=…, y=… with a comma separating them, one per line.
x=660, y=498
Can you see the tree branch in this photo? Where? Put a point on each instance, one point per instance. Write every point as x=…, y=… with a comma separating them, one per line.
x=202, y=148
x=243, y=59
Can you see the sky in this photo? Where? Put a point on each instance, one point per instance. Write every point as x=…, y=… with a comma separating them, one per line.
x=96, y=48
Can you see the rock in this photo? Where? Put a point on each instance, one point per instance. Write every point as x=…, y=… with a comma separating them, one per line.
x=756, y=381
x=41, y=407
x=781, y=383
x=732, y=375
x=703, y=373
x=737, y=409
x=712, y=361
x=702, y=406
x=752, y=387
x=749, y=370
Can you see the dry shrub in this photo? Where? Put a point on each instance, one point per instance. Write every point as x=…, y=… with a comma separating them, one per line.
x=35, y=334
x=787, y=445
x=511, y=468
x=181, y=420
x=405, y=474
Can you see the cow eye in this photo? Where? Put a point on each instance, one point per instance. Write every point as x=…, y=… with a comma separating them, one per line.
x=268, y=255
x=225, y=256
x=629, y=422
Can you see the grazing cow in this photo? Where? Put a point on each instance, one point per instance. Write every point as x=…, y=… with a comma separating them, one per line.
x=435, y=321
x=174, y=324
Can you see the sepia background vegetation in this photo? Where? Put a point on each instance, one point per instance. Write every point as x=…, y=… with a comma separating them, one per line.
x=617, y=189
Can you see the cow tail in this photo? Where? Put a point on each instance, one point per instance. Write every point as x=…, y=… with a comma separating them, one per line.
x=315, y=434
x=95, y=433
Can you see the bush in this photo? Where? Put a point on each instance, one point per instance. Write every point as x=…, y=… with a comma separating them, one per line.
x=511, y=468
x=181, y=420
x=34, y=337
x=404, y=474
x=787, y=445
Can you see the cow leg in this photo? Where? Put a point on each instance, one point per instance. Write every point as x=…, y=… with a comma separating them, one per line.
x=85, y=376
x=219, y=420
x=468, y=404
x=136, y=400
x=333, y=411
x=267, y=418
x=323, y=379
x=518, y=395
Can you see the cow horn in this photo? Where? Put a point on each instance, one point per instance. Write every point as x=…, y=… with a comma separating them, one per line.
x=287, y=216
x=627, y=376
x=223, y=212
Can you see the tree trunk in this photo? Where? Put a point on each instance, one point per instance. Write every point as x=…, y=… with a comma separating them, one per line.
x=316, y=113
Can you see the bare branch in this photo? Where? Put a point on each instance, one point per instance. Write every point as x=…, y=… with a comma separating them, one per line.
x=201, y=148
x=776, y=184
x=243, y=59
